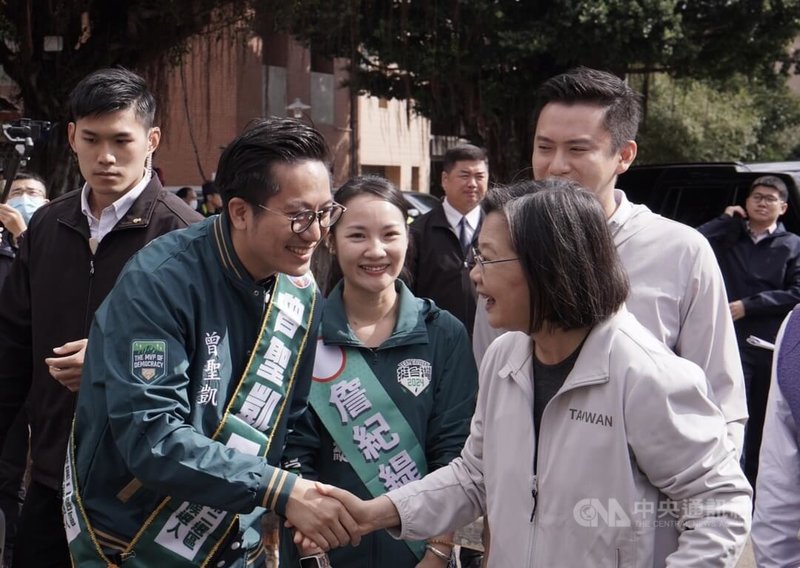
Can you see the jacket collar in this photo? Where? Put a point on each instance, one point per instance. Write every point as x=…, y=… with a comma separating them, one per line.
x=223, y=246
x=439, y=219
x=138, y=216
x=410, y=328
x=592, y=366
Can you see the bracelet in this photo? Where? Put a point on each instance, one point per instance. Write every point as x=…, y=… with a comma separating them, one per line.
x=440, y=541
x=437, y=552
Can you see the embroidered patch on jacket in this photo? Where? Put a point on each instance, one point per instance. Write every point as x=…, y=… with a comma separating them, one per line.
x=414, y=374
x=148, y=359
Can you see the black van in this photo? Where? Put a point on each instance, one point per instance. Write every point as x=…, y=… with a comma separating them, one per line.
x=695, y=193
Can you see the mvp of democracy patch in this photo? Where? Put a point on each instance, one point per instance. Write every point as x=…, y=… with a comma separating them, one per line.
x=148, y=359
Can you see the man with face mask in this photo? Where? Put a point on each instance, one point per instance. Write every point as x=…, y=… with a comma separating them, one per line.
x=27, y=194
x=188, y=195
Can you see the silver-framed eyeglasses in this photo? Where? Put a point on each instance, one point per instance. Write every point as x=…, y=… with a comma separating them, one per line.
x=477, y=258
x=300, y=222
x=768, y=199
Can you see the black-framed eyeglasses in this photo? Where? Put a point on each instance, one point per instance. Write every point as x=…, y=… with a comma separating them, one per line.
x=477, y=258
x=300, y=222
x=768, y=199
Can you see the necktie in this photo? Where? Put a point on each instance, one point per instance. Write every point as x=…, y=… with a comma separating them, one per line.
x=462, y=236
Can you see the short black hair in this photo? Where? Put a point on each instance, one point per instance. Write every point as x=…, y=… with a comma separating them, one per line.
x=774, y=182
x=366, y=185
x=623, y=105
x=110, y=90
x=209, y=188
x=560, y=234
x=463, y=153
x=245, y=167
x=30, y=175
x=184, y=191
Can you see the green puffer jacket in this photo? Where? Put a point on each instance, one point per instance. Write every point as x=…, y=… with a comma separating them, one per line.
x=439, y=415
x=189, y=290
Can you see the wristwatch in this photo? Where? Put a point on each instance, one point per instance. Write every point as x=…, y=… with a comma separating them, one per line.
x=316, y=561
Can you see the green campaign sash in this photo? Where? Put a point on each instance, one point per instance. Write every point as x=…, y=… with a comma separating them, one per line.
x=184, y=534
x=363, y=420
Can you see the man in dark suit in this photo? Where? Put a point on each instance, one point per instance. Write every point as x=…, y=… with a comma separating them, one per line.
x=443, y=237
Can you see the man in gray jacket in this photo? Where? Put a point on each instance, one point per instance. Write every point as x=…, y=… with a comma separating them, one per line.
x=586, y=125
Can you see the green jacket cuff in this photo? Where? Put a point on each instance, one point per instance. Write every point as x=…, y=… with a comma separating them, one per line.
x=279, y=487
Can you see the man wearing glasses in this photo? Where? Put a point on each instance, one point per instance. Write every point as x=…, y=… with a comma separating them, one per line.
x=760, y=263
x=185, y=403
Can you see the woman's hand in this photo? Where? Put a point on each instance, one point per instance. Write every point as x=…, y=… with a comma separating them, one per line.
x=431, y=560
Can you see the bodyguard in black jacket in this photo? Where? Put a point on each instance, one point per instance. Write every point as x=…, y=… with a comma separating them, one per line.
x=441, y=240
x=67, y=263
x=760, y=263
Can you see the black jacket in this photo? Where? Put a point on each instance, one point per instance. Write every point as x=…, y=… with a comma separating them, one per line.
x=764, y=276
x=49, y=298
x=7, y=253
x=439, y=268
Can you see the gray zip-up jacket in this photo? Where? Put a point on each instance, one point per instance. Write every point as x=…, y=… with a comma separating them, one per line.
x=677, y=293
x=634, y=467
x=776, y=523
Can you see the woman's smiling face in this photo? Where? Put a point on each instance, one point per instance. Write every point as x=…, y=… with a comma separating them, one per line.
x=370, y=243
x=503, y=284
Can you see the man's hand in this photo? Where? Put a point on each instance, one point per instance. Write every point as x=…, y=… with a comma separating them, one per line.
x=12, y=220
x=736, y=210
x=378, y=513
x=68, y=366
x=321, y=519
x=737, y=310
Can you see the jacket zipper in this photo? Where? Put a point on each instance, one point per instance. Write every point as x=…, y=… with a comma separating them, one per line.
x=538, y=451
x=86, y=320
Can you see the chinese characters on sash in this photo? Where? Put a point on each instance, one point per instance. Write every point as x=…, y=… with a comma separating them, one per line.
x=259, y=407
x=374, y=437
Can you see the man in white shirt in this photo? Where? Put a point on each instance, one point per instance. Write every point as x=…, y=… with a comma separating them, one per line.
x=443, y=237
x=69, y=259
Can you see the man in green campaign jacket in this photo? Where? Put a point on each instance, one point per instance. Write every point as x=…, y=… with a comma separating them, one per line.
x=199, y=361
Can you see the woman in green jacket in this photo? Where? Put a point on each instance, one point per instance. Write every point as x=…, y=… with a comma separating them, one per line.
x=394, y=378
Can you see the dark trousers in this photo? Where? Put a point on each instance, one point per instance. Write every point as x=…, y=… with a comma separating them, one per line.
x=13, y=461
x=41, y=541
x=757, y=366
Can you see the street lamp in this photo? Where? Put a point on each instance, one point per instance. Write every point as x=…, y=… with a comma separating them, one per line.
x=297, y=108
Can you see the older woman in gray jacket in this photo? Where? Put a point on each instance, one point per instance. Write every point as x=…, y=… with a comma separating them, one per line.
x=592, y=444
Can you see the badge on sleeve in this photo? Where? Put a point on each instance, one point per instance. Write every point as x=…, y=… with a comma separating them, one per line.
x=414, y=374
x=148, y=359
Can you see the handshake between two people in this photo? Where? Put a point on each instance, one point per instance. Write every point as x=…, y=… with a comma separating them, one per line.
x=325, y=517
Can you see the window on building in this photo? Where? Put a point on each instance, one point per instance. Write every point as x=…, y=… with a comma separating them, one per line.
x=274, y=91
x=323, y=89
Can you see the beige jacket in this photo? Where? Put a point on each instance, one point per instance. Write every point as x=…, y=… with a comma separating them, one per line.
x=631, y=424
x=678, y=294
